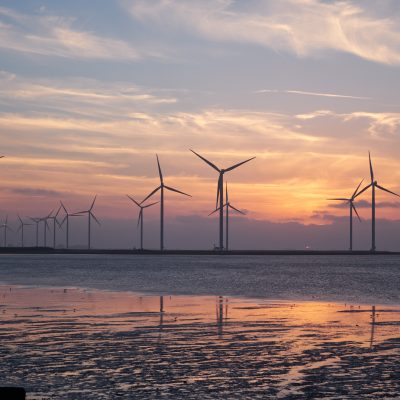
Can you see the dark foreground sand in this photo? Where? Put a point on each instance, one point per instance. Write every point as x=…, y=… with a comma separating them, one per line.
x=85, y=344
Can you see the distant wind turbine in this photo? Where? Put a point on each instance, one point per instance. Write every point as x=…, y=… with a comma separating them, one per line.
x=5, y=227
x=373, y=185
x=161, y=188
x=90, y=216
x=36, y=221
x=350, y=201
x=66, y=219
x=21, y=228
x=227, y=205
x=54, y=218
x=141, y=217
x=45, y=228
x=220, y=192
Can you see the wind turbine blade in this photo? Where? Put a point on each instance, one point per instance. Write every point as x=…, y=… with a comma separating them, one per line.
x=238, y=164
x=387, y=190
x=20, y=220
x=226, y=192
x=159, y=169
x=139, y=218
x=206, y=161
x=151, y=204
x=218, y=187
x=212, y=212
x=19, y=228
x=340, y=199
x=354, y=208
x=91, y=207
x=62, y=205
x=94, y=217
x=234, y=208
x=51, y=212
x=151, y=194
x=133, y=200
x=58, y=211
x=358, y=187
x=176, y=190
x=62, y=222
x=371, y=171
x=6, y=219
x=363, y=190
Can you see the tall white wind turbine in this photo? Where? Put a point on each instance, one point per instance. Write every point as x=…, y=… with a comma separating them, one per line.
x=161, y=188
x=350, y=201
x=141, y=217
x=220, y=192
x=373, y=185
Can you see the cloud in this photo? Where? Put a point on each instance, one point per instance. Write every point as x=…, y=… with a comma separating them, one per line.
x=304, y=93
x=367, y=204
x=303, y=27
x=55, y=36
x=35, y=192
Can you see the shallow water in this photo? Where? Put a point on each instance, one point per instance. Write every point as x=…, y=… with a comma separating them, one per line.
x=91, y=344
x=361, y=279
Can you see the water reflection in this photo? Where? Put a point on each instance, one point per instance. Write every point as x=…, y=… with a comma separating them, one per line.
x=194, y=346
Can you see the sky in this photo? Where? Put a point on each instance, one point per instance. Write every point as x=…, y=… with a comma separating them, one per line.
x=90, y=91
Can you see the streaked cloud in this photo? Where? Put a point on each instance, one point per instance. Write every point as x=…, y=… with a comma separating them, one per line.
x=49, y=35
x=305, y=93
x=302, y=27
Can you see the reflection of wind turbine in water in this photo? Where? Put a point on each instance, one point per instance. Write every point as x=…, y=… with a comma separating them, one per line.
x=350, y=201
x=220, y=313
x=5, y=227
x=373, y=322
x=227, y=205
x=161, y=188
x=21, y=228
x=373, y=185
x=220, y=193
x=141, y=217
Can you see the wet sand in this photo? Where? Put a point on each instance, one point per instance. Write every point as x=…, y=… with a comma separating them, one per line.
x=90, y=344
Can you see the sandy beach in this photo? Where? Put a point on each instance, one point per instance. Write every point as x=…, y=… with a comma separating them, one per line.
x=74, y=343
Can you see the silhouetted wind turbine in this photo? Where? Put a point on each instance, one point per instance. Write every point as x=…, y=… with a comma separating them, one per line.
x=227, y=205
x=54, y=218
x=45, y=228
x=220, y=192
x=66, y=219
x=373, y=185
x=36, y=221
x=21, y=228
x=141, y=217
x=5, y=226
x=90, y=216
x=350, y=201
x=161, y=188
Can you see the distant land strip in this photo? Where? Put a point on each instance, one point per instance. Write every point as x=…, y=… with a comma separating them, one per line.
x=49, y=250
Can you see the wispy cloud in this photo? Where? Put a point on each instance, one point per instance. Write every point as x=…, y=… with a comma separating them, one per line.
x=55, y=36
x=303, y=27
x=305, y=93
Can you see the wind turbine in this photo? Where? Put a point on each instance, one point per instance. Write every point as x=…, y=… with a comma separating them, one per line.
x=36, y=221
x=45, y=228
x=220, y=192
x=54, y=218
x=227, y=205
x=161, y=188
x=350, y=201
x=141, y=217
x=66, y=219
x=90, y=216
x=21, y=228
x=5, y=226
x=373, y=185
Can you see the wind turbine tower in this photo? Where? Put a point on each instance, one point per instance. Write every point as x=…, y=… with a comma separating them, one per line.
x=161, y=188
x=220, y=192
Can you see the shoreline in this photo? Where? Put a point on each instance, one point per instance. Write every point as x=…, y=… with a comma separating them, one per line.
x=49, y=250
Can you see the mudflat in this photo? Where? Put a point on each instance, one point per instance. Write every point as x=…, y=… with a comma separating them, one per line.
x=74, y=343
